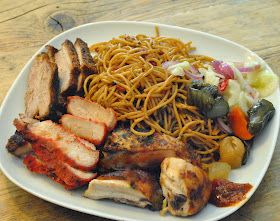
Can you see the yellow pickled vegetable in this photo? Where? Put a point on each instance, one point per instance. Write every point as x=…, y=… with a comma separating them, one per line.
x=232, y=151
x=218, y=170
x=265, y=82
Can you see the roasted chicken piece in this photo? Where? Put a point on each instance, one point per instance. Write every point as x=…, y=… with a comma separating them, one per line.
x=68, y=68
x=150, y=159
x=123, y=139
x=90, y=130
x=89, y=110
x=186, y=187
x=18, y=146
x=124, y=149
x=40, y=96
x=61, y=144
x=134, y=187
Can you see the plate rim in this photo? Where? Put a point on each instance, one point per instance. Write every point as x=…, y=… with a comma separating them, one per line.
x=106, y=215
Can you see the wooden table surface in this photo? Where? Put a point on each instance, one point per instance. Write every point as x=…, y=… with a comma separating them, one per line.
x=25, y=25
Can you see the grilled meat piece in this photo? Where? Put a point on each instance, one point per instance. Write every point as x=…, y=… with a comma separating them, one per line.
x=68, y=68
x=134, y=187
x=86, y=61
x=61, y=144
x=123, y=139
x=89, y=110
x=186, y=187
x=92, y=131
x=50, y=50
x=18, y=146
x=40, y=96
x=142, y=152
x=60, y=172
x=150, y=159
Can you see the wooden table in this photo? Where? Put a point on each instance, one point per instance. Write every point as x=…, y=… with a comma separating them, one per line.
x=25, y=25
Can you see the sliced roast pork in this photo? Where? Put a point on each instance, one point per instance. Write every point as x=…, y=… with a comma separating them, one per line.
x=134, y=187
x=18, y=146
x=86, y=61
x=51, y=51
x=90, y=130
x=68, y=68
x=84, y=108
x=87, y=66
x=41, y=88
x=62, y=144
x=60, y=172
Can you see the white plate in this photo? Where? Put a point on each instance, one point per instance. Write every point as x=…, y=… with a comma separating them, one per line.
x=44, y=188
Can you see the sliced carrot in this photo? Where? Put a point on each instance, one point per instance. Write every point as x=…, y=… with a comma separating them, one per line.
x=239, y=123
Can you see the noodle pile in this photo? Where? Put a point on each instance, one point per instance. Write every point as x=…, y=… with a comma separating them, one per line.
x=132, y=81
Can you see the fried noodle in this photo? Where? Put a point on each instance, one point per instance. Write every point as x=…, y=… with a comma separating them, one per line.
x=132, y=81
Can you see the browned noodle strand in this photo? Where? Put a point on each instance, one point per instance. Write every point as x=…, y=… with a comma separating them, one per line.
x=132, y=81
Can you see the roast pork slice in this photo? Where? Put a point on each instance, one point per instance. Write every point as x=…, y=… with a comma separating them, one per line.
x=62, y=173
x=18, y=146
x=41, y=92
x=68, y=68
x=90, y=130
x=84, y=108
x=134, y=187
x=62, y=144
x=51, y=51
x=86, y=61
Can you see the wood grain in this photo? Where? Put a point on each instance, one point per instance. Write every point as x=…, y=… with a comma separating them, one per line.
x=25, y=25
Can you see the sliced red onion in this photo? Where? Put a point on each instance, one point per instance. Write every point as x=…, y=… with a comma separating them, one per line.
x=223, y=126
x=249, y=69
x=195, y=76
x=251, y=91
x=223, y=69
x=167, y=64
x=193, y=69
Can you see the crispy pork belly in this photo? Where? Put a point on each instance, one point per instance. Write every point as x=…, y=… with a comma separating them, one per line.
x=62, y=173
x=18, y=146
x=186, y=187
x=50, y=50
x=62, y=144
x=68, y=68
x=134, y=187
x=90, y=130
x=150, y=159
x=84, y=108
x=41, y=92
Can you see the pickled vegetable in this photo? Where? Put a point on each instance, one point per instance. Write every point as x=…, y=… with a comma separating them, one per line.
x=248, y=145
x=218, y=170
x=207, y=98
x=265, y=82
x=232, y=151
x=259, y=115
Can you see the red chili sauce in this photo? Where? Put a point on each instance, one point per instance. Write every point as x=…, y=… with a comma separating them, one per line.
x=225, y=193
